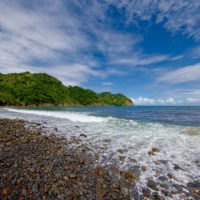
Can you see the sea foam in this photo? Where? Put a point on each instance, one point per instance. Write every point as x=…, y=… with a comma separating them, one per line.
x=72, y=116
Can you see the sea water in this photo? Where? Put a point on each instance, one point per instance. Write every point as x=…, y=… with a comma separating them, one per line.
x=125, y=135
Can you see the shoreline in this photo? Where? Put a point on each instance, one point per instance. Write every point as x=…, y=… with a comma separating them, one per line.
x=40, y=165
x=52, y=105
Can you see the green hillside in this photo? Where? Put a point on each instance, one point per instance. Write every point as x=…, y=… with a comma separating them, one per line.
x=23, y=89
x=114, y=99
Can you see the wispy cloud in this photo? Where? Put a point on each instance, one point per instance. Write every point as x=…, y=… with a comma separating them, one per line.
x=184, y=74
x=183, y=93
x=115, y=43
x=177, y=16
x=36, y=32
x=63, y=37
x=29, y=35
x=177, y=57
x=50, y=37
x=137, y=60
x=195, y=53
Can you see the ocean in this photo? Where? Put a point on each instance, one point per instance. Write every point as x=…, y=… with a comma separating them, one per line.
x=124, y=136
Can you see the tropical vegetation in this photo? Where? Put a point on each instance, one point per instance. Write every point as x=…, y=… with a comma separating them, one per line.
x=26, y=89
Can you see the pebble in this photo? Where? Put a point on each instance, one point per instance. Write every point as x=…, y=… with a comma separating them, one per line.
x=132, y=176
x=155, y=150
x=195, y=185
x=82, y=135
x=121, y=151
x=124, y=191
x=72, y=176
x=151, y=184
x=163, y=178
x=176, y=167
x=5, y=191
x=144, y=168
x=151, y=153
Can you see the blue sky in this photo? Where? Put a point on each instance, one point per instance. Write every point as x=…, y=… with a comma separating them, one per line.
x=147, y=49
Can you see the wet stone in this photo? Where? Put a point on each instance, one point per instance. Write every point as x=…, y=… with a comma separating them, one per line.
x=163, y=161
x=195, y=185
x=96, y=156
x=151, y=153
x=163, y=178
x=82, y=135
x=146, y=192
x=171, y=176
x=5, y=191
x=153, y=185
x=192, y=190
x=164, y=185
x=156, y=196
x=121, y=151
x=133, y=160
x=121, y=158
x=165, y=192
x=176, y=167
x=155, y=150
x=179, y=188
x=100, y=171
x=144, y=168
x=124, y=191
x=132, y=175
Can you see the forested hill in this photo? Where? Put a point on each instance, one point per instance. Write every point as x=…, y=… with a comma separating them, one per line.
x=26, y=89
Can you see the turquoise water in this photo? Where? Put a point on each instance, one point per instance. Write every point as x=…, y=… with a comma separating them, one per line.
x=175, y=131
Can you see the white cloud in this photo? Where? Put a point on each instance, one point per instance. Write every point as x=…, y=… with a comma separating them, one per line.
x=161, y=101
x=184, y=74
x=150, y=101
x=143, y=101
x=107, y=83
x=192, y=100
x=170, y=100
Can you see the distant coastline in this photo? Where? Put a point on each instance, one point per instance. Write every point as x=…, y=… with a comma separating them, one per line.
x=33, y=90
x=53, y=105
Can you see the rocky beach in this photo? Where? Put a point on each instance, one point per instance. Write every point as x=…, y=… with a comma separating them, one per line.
x=35, y=165
x=100, y=100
